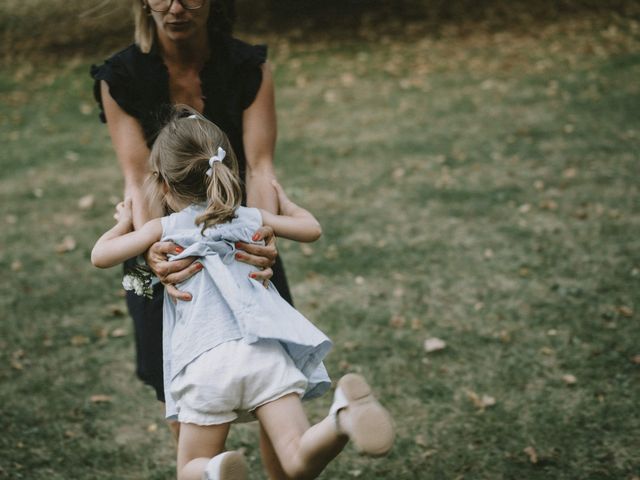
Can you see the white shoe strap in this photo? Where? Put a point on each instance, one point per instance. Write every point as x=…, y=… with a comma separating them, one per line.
x=339, y=401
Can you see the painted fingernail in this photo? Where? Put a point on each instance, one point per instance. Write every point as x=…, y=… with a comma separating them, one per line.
x=253, y=275
x=199, y=266
x=237, y=244
x=256, y=237
x=179, y=249
x=238, y=256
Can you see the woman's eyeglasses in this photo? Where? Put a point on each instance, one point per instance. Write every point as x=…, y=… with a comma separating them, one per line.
x=163, y=6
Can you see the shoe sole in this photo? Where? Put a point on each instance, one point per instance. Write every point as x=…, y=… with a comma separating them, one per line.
x=372, y=429
x=233, y=467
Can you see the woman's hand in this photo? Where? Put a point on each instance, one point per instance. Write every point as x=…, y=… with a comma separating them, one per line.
x=174, y=272
x=258, y=255
x=124, y=214
x=285, y=205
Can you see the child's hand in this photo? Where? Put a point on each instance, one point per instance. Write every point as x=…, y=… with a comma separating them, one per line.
x=286, y=205
x=124, y=214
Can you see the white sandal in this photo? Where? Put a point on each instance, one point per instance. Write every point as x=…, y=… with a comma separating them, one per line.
x=368, y=424
x=227, y=466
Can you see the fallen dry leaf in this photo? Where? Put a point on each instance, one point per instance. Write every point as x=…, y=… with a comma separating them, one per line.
x=524, y=208
x=504, y=336
x=307, y=250
x=434, y=344
x=636, y=359
x=100, y=398
x=86, y=108
x=16, y=266
x=152, y=427
x=481, y=402
x=16, y=364
x=79, y=340
x=68, y=244
x=531, y=453
x=118, y=332
x=350, y=345
x=397, y=321
x=359, y=280
x=421, y=440
x=429, y=453
x=398, y=173
x=72, y=156
x=625, y=311
x=116, y=310
x=569, y=379
x=100, y=332
x=86, y=202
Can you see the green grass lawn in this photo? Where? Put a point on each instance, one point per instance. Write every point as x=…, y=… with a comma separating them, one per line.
x=482, y=189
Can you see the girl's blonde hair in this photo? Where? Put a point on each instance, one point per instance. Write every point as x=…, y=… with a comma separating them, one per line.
x=222, y=16
x=180, y=161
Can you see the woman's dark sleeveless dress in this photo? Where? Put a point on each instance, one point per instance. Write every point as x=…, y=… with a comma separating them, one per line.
x=139, y=83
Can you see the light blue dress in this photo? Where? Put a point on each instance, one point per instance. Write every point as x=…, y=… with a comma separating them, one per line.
x=228, y=305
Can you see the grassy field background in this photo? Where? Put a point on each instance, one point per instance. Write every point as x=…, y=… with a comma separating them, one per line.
x=481, y=189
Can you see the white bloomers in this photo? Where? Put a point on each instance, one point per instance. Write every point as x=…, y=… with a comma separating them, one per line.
x=228, y=382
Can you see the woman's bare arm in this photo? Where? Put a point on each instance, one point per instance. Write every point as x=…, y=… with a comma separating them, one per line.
x=259, y=139
x=131, y=149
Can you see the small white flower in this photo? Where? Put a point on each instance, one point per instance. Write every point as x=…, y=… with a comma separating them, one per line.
x=138, y=280
x=127, y=282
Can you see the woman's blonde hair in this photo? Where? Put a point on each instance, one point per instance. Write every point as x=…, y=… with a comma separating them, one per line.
x=180, y=160
x=222, y=16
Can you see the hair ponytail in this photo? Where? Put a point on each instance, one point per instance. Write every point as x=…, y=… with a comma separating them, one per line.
x=180, y=160
x=224, y=194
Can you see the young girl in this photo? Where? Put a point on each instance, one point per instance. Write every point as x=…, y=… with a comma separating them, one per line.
x=237, y=351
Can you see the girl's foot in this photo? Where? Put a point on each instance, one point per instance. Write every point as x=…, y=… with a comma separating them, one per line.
x=359, y=415
x=226, y=466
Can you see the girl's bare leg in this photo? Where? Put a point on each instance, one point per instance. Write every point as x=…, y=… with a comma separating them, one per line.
x=303, y=451
x=196, y=446
x=270, y=458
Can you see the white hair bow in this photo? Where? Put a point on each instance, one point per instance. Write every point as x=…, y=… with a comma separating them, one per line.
x=218, y=157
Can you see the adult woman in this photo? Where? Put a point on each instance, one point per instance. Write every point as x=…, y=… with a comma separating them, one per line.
x=184, y=54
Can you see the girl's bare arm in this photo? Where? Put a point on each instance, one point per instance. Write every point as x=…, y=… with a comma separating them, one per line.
x=120, y=242
x=294, y=222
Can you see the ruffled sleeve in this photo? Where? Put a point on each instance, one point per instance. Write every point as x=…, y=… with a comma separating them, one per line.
x=117, y=73
x=248, y=60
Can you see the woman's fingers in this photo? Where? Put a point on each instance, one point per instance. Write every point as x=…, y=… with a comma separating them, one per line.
x=282, y=196
x=265, y=233
x=176, y=294
x=256, y=255
x=171, y=273
x=181, y=270
x=263, y=276
x=156, y=257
